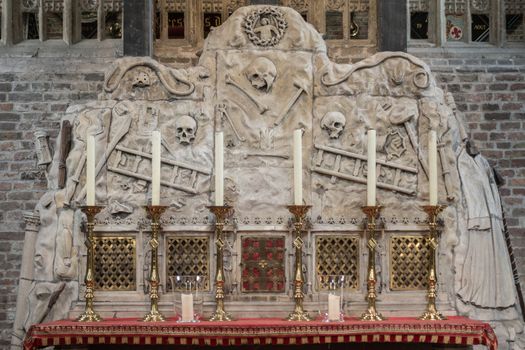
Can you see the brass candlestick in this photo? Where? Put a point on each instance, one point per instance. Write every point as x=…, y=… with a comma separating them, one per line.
x=371, y=314
x=154, y=213
x=299, y=213
x=89, y=315
x=220, y=212
x=432, y=212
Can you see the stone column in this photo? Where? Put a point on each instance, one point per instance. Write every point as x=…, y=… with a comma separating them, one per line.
x=32, y=221
x=392, y=24
x=11, y=22
x=138, y=27
x=71, y=20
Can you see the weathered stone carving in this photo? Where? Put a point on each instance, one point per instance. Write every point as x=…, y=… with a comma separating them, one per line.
x=261, y=107
x=186, y=128
x=265, y=26
x=163, y=82
x=333, y=123
x=262, y=74
x=43, y=152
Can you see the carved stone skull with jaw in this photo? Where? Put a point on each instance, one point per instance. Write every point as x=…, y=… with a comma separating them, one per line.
x=186, y=129
x=333, y=123
x=261, y=73
x=141, y=79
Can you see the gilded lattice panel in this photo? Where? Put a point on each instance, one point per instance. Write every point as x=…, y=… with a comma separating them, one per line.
x=408, y=262
x=188, y=256
x=115, y=263
x=336, y=256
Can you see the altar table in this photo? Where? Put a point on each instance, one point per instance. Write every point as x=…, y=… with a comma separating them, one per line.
x=266, y=331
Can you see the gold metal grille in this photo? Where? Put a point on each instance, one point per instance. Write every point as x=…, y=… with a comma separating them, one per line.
x=336, y=256
x=408, y=262
x=115, y=263
x=188, y=256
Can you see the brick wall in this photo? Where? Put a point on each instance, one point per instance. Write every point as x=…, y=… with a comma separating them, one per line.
x=35, y=92
x=490, y=91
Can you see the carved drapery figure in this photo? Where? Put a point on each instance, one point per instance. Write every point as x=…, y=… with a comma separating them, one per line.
x=486, y=276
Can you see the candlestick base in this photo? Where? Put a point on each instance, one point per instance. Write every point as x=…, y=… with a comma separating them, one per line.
x=371, y=314
x=154, y=316
x=432, y=315
x=89, y=314
x=221, y=315
x=221, y=212
x=299, y=213
x=431, y=312
x=299, y=315
x=154, y=213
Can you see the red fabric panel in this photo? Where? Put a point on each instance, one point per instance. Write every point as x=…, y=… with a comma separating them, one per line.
x=455, y=330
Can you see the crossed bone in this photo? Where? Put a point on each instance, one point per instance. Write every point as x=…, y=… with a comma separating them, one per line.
x=290, y=103
x=229, y=80
x=222, y=108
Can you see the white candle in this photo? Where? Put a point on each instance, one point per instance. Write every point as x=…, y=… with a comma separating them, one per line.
x=371, y=169
x=187, y=307
x=90, y=170
x=155, y=167
x=333, y=307
x=432, y=167
x=298, y=167
x=219, y=169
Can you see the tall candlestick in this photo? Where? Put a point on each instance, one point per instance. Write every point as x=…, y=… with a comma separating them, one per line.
x=155, y=168
x=298, y=166
x=432, y=167
x=219, y=169
x=371, y=169
x=90, y=170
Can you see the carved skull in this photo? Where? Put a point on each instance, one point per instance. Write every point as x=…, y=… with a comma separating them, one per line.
x=186, y=128
x=333, y=123
x=261, y=73
x=141, y=79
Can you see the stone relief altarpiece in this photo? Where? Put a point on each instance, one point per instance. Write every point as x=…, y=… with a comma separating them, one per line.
x=262, y=74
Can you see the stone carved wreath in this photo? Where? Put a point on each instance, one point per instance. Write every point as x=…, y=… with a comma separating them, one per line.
x=265, y=26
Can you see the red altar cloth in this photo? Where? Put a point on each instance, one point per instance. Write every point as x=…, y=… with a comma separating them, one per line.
x=268, y=331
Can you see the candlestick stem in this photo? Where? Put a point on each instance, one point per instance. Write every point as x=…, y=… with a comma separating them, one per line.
x=299, y=213
x=371, y=314
x=154, y=213
x=431, y=312
x=220, y=212
x=89, y=314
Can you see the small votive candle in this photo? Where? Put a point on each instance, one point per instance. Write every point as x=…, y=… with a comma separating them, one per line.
x=334, y=313
x=187, y=307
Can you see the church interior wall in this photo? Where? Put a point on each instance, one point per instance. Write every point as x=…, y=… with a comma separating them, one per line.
x=35, y=92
